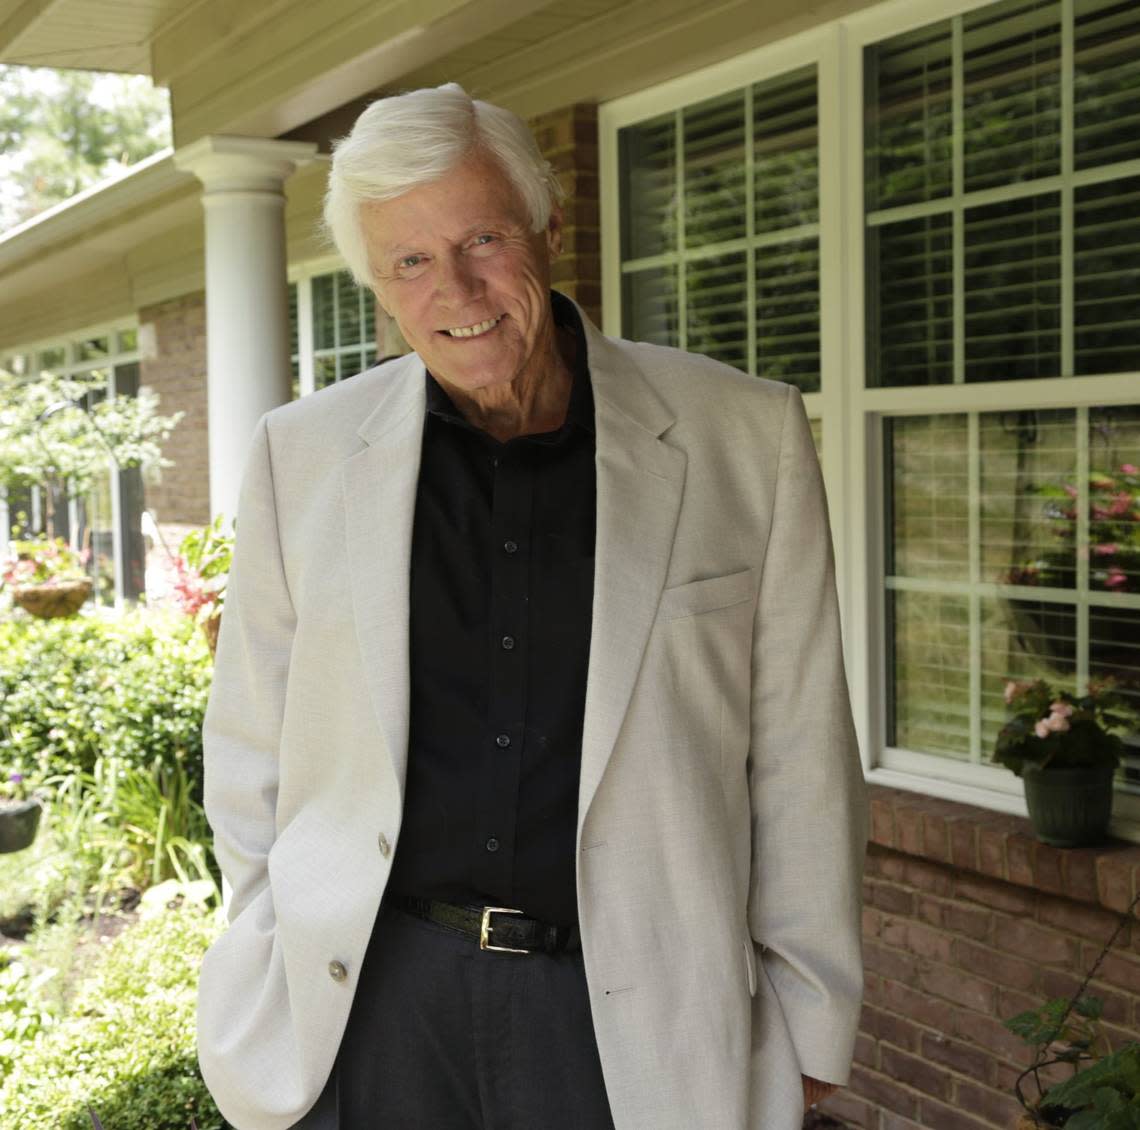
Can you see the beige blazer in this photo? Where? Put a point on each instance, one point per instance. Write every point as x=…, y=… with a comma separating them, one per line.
x=721, y=810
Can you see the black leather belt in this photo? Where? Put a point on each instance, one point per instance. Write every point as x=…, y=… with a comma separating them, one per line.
x=497, y=928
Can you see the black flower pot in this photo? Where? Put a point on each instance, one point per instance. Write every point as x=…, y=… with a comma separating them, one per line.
x=18, y=823
x=1069, y=807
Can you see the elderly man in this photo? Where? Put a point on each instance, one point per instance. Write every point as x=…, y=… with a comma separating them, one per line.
x=529, y=757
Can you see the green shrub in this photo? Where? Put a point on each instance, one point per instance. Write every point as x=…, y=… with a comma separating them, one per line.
x=127, y=1044
x=75, y=690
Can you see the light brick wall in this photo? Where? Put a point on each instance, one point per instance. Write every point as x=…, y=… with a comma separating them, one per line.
x=968, y=921
x=568, y=139
x=173, y=338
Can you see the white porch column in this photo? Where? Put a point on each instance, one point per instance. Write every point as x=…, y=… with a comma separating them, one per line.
x=247, y=317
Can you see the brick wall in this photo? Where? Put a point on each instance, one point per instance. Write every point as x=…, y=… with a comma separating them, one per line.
x=173, y=345
x=568, y=139
x=969, y=920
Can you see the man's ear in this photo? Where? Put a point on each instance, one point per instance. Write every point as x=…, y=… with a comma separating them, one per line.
x=554, y=233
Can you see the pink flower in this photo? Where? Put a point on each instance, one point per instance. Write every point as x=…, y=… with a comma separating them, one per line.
x=1011, y=689
x=1116, y=579
x=1042, y=729
x=1071, y=491
x=1056, y=723
x=1061, y=708
x=1129, y=469
x=1106, y=550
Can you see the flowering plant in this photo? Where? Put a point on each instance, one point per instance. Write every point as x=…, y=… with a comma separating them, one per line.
x=202, y=566
x=1055, y=729
x=12, y=788
x=1114, y=534
x=42, y=561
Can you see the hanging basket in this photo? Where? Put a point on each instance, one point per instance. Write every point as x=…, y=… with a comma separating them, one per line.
x=18, y=823
x=49, y=601
x=1069, y=807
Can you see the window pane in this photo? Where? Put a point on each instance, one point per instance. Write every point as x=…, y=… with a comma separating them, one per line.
x=53, y=358
x=1106, y=269
x=649, y=306
x=715, y=205
x=908, y=122
x=930, y=656
x=368, y=304
x=1012, y=93
x=1106, y=82
x=324, y=371
x=787, y=313
x=293, y=330
x=648, y=156
x=324, y=319
x=1028, y=503
x=93, y=349
x=347, y=310
x=717, y=317
x=785, y=141
x=128, y=340
x=911, y=340
x=1114, y=500
x=928, y=501
x=1013, y=290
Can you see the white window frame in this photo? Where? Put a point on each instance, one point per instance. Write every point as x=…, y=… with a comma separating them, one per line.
x=852, y=414
x=71, y=366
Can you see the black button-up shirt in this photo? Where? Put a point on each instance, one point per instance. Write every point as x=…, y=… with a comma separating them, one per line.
x=502, y=584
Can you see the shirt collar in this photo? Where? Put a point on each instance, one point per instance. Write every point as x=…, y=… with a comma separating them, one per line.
x=580, y=410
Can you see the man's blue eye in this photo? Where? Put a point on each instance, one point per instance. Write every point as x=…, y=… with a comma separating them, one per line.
x=484, y=238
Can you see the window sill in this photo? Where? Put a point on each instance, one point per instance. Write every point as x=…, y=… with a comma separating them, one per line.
x=1002, y=846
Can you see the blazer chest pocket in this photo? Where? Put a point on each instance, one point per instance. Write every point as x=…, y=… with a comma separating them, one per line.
x=706, y=595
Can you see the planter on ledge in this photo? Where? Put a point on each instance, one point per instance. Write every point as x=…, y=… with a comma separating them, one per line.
x=18, y=823
x=1069, y=807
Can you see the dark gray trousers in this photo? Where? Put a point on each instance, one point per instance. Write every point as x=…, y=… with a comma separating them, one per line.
x=445, y=1036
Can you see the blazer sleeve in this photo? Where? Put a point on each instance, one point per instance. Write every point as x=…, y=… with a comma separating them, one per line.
x=243, y=721
x=807, y=794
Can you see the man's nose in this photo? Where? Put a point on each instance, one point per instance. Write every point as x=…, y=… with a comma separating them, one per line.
x=456, y=280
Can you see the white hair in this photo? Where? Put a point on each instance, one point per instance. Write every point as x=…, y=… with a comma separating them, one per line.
x=408, y=140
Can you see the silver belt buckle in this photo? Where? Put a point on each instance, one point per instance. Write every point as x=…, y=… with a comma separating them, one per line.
x=485, y=929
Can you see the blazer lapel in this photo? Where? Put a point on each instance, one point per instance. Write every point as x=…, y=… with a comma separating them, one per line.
x=639, y=484
x=379, y=485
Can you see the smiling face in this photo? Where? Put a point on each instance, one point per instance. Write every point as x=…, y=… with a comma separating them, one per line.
x=456, y=264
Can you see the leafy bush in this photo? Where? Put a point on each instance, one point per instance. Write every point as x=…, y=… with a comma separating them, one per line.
x=73, y=691
x=127, y=1045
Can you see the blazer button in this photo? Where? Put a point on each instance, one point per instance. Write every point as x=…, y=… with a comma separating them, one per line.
x=337, y=971
x=385, y=847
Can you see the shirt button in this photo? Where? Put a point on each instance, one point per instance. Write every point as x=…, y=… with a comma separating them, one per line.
x=385, y=847
x=503, y=740
x=492, y=845
x=508, y=642
x=510, y=546
x=337, y=971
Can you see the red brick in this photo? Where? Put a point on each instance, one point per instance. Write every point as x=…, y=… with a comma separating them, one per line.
x=915, y=1072
x=1013, y=1003
x=1019, y=860
x=866, y=1050
x=935, y=837
x=897, y=1122
x=888, y=897
x=1046, y=946
x=936, y=1116
x=963, y=1058
x=1078, y=867
x=932, y=877
x=991, y=852
x=954, y=916
x=853, y=1110
x=882, y=822
x=925, y=942
x=1118, y=1006
x=994, y=1106
x=1115, y=969
x=988, y=1032
x=1074, y=918
x=964, y=845
x=908, y=830
x=956, y=986
x=890, y=962
x=888, y=1026
x=1003, y=969
x=1114, y=882
x=1048, y=869
x=885, y=1092
x=916, y=1006
x=872, y=922
x=1000, y=896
